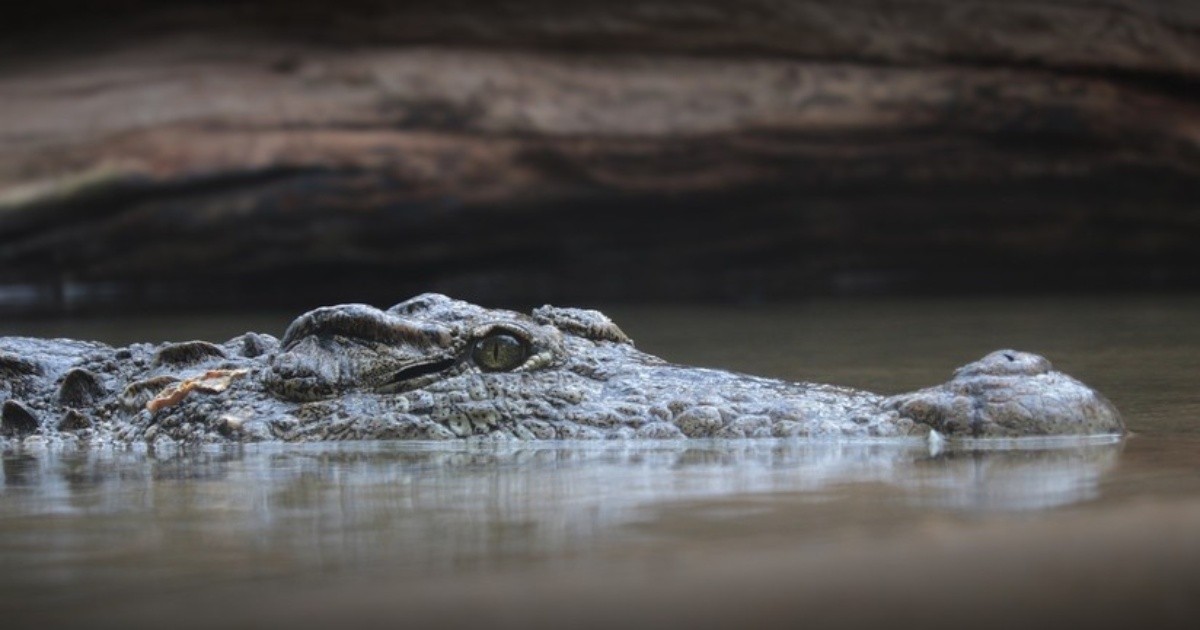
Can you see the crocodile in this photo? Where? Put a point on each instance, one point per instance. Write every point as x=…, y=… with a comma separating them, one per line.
x=433, y=367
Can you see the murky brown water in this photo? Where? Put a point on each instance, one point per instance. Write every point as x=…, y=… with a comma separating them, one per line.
x=704, y=533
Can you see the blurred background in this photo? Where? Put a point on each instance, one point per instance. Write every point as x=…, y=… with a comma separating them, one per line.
x=717, y=175
x=182, y=155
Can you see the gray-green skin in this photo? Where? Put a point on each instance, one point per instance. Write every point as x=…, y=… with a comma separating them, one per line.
x=417, y=371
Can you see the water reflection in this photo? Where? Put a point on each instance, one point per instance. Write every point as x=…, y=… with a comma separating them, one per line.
x=997, y=476
x=126, y=519
x=566, y=487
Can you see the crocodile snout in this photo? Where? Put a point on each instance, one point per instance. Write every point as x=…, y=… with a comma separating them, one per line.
x=1009, y=393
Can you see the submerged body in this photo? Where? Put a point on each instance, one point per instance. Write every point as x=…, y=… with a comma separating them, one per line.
x=437, y=368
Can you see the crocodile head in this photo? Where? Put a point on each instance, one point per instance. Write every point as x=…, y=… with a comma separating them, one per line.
x=437, y=367
x=433, y=368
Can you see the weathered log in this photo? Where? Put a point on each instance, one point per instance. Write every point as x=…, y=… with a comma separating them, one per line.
x=1153, y=37
x=568, y=151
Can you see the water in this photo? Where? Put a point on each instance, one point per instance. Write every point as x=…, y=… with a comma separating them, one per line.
x=705, y=533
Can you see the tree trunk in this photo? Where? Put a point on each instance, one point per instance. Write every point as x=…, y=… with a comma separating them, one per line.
x=526, y=151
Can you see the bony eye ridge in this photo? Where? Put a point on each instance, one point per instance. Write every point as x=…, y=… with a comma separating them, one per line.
x=500, y=351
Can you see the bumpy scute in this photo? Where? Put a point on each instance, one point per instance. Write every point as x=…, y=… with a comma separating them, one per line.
x=74, y=420
x=186, y=353
x=80, y=388
x=17, y=419
x=13, y=366
x=421, y=370
x=585, y=323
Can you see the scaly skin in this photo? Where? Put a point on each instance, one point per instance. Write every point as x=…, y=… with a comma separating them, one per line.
x=437, y=368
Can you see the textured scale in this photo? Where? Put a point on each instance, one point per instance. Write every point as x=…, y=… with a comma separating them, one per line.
x=356, y=372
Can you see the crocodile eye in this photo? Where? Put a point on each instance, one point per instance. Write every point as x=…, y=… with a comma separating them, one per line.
x=499, y=351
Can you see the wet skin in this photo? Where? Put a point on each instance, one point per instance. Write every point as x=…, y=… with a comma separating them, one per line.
x=437, y=368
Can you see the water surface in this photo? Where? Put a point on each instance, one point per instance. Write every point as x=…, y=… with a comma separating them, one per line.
x=616, y=534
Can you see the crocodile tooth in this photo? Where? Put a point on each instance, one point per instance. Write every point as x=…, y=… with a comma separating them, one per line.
x=17, y=419
x=80, y=388
x=186, y=353
x=73, y=420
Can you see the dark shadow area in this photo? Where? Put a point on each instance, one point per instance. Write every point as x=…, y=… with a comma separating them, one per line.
x=231, y=155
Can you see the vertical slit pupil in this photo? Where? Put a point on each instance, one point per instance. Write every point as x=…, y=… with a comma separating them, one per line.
x=500, y=351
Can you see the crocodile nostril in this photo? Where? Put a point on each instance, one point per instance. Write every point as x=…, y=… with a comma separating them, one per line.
x=1005, y=363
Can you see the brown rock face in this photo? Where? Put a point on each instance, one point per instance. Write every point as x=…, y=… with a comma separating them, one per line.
x=317, y=152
